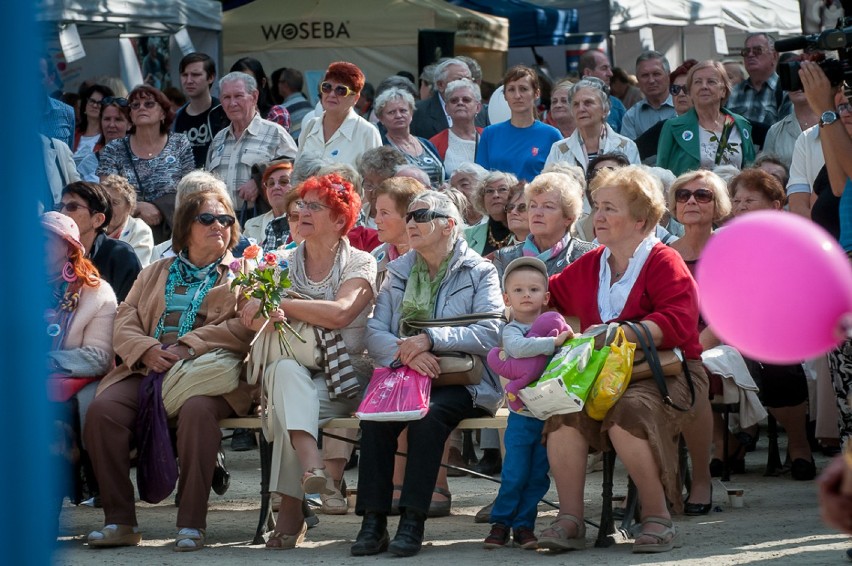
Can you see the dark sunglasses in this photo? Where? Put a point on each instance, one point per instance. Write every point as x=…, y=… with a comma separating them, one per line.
x=137, y=104
x=675, y=90
x=423, y=215
x=72, y=207
x=758, y=51
x=108, y=100
x=339, y=90
x=521, y=207
x=206, y=219
x=702, y=196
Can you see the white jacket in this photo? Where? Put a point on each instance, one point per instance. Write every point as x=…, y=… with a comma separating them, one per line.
x=571, y=149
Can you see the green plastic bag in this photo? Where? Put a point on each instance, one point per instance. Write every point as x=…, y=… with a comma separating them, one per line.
x=567, y=379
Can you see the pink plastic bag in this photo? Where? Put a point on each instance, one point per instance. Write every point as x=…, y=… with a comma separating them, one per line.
x=399, y=394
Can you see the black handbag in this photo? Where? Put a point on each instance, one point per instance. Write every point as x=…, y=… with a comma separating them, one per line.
x=645, y=340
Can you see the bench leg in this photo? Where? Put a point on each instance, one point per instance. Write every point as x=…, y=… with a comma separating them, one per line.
x=607, y=525
x=726, y=461
x=265, y=473
x=773, y=460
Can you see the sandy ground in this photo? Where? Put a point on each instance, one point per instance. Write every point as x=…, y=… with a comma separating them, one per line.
x=779, y=523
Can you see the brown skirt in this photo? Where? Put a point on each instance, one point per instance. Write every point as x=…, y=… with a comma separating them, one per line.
x=642, y=413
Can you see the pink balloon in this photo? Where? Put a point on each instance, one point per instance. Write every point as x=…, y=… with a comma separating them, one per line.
x=776, y=287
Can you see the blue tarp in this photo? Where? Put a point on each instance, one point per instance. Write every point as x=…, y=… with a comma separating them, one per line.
x=529, y=25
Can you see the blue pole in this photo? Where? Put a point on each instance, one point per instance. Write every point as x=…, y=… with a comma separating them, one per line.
x=29, y=511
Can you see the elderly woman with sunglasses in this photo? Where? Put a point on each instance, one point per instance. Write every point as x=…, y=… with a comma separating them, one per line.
x=439, y=277
x=272, y=229
x=337, y=285
x=708, y=134
x=178, y=310
x=590, y=106
x=152, y=158
x=339, y=134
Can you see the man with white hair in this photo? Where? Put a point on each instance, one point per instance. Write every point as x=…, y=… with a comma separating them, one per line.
x=430, y=116
x=249, y=140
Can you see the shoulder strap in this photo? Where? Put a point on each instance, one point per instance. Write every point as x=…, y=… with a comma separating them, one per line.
x=460, y=320
x=133, y=165
x=645, y=340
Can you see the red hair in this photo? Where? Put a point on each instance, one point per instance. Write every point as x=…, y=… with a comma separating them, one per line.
x=84, y=268
x=345, y=73
x=337, y=194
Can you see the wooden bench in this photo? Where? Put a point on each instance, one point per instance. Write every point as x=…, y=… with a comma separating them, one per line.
x=254, y=423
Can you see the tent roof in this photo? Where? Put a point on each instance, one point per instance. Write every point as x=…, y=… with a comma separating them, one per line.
x=530, y=25
x=271, y=24
x=780, y=16
x=111, y=18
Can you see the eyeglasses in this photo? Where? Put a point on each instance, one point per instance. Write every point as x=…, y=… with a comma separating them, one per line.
x=520, y=208
x=423, y=215
x=702, y=196
x=72, y=207
x=294, y=216
x=106, y=101
x=280, y=181
x=206, y=219
x=675, y=90
x=757, y=51
x=313, y=206
x=94, y=101
x=845, y=107
x=339, y=90
x=499, y=190
x=148, y=104
x=461, y=99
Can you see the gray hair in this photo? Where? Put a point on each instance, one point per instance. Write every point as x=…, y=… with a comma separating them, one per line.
x=442, y=204
x=197, y=181
x=595, y=85
x=428, y=74
x=307, y=166
x=651, y=56
x=665, y=176
x=769, y=39
x=492, y=177
x=347, y=172
x=470, y=168
x=237, y=76
x=463, y=83
x=564, y=167
x=382, y=160
x=726, y=172
x=474, y=66
x=459, y=199
x=390, y=95
x=442, y=69
x=414, y=172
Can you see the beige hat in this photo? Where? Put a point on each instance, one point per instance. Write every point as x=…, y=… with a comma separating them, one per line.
x=63, y=226
x=526, y=261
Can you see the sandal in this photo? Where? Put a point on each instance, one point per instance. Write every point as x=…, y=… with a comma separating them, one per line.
x=188, y=540
x=315, y=480
x=556, y=538
x=440, y=508
x=666, y=539
x=335, y=503
x=115, y=535
x=279, y=541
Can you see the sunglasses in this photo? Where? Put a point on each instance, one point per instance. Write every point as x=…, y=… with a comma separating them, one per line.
x=758, y=51
x=106, y=101
x=148, y=104
x=313, y=206
x=520, y=208
x=675, y=90
x=94, y=101
x=280, y=181
x=72, y=207
x=339, y=90
x=423, y=215
x=207, y=219
x=702, y=196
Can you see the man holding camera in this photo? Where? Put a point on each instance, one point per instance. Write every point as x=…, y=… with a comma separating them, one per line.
x=759, y=98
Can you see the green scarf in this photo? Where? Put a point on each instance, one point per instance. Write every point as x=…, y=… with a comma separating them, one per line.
x=418, y=302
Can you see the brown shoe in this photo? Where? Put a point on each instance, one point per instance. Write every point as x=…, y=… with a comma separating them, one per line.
x=280, y=541
x=115, y=535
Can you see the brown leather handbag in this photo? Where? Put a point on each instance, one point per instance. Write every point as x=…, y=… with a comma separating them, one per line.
x=654, y=360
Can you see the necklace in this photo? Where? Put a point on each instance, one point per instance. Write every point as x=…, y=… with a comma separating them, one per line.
x=618, y=274
x=497, y=244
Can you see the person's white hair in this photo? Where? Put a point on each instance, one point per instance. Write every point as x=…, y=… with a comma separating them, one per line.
x=390, y=95
x=470, y=168
x=197, y=181
x=248, y=81
x=414, y=172
x=307, y=166
x=595, y=85
x=442, y=69
x=727, y=172
x=442, y=204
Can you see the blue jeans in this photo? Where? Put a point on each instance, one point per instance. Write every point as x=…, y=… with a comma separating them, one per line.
x=524, y=477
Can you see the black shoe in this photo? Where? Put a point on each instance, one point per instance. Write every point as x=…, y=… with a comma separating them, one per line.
x=221, y=475
x=696, y=509
x=802, y=470
x=491, y=462
x=373, y=537
x=243, y=440
x=409, y=535
x=849, y=554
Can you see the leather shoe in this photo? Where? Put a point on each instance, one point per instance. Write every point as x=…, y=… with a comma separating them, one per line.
x=373, y=537
x=221, y=475
x=484, y=514
x=243, y=440
x=696, y=509
x=803, y=470
x=409, y=535
x=491, y=462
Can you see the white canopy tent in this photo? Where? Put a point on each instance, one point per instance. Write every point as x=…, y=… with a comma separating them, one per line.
x=103, y=23
x=380, y=36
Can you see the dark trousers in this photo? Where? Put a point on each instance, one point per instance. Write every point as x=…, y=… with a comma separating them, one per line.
x=109, y=434
x=426, y=437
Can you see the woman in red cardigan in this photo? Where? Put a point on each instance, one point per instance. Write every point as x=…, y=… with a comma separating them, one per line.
x=631, y=277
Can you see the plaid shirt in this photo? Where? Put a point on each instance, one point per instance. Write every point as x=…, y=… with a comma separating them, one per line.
x=760, y=106
x=231, y=159
x=280, y=116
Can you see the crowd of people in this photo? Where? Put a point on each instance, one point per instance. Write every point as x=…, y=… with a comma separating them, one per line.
x=397, y=207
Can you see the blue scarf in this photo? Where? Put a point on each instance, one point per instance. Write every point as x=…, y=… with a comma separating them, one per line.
x=531, y=250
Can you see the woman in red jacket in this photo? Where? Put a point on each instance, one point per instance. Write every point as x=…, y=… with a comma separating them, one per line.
x=631, y=277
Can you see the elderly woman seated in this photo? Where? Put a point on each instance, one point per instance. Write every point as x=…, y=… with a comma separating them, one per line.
x=632, y=277
x=439, y=277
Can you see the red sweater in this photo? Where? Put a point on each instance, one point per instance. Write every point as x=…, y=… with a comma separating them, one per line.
x=664, y=293
x=441, y=141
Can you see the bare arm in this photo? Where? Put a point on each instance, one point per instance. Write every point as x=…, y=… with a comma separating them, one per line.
x=352, y=298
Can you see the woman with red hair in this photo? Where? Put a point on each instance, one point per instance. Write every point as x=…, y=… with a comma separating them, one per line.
x=340, y=134
x=336, y=286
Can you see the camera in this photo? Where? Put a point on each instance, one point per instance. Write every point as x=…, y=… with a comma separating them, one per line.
x=837, y=70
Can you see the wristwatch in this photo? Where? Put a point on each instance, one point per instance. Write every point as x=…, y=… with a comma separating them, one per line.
x=828, y=117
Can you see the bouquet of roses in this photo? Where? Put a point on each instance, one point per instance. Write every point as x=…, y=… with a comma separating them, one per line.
x=266, y=279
